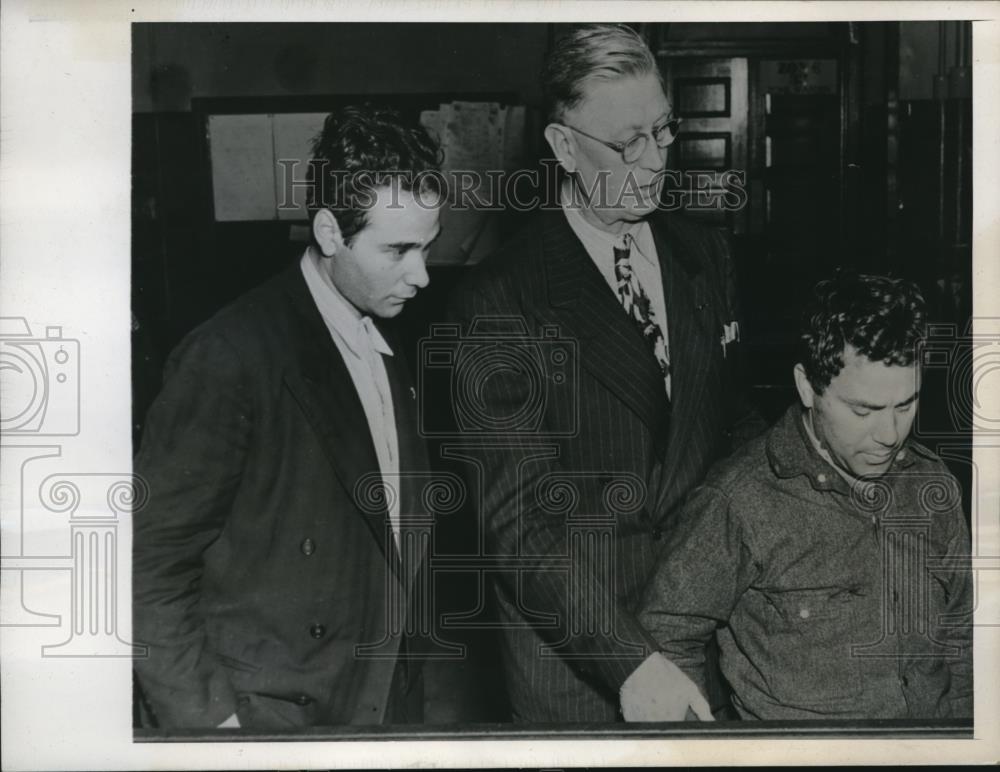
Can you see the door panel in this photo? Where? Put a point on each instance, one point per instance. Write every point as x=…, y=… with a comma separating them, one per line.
x=711, y=96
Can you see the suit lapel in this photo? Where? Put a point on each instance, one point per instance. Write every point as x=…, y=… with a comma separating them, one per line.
x=415, y=474
x=689, y=330
x=325, y=392
x=586, y=308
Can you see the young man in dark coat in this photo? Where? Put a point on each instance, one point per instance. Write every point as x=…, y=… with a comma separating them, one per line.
x=274, y=561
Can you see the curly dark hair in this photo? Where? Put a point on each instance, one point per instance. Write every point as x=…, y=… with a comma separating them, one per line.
x=365, y=147
x=881, y=317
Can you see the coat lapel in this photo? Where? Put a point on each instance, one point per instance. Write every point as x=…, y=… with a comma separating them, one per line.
x=325, y=392
x=586, y=309
x=689, y=331
x=415, y=475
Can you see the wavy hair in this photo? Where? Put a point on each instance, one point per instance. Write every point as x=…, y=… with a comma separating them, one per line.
x=362, y=148
x=882, y=318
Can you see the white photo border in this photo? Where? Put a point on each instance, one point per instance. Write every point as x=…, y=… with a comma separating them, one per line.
x=65, y=203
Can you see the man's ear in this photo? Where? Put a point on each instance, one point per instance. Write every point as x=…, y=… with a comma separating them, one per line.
x=562, y=144
x=803, y=387
x=326, y=231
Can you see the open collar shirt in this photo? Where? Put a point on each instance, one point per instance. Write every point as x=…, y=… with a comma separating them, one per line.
x=362, y=347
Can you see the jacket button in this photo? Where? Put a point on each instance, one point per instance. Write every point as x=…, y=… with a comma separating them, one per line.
x=308, y=547
x=656, y=533
x=303, y=699
x=317, y=631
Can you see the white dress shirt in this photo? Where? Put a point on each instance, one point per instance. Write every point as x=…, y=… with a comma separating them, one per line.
x=600, y=246
x=362, y=347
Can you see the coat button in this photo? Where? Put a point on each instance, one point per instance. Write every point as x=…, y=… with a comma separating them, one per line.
x=821, y=477
x=303, y=699
x=308, y=547
x=656, y=533
x=317, y=631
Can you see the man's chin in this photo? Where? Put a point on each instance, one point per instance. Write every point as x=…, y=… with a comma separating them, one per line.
x=871, y=468
x=391, y=308
x=641, y=208
x=629, y=213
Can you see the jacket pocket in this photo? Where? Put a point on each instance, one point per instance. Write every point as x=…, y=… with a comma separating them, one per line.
x=810, y=646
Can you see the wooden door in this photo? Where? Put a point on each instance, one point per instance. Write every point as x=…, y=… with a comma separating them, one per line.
x=711, y=149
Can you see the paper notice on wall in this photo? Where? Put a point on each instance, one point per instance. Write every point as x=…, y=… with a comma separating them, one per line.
x=475, y=136
x=293, y=137
x=471, y=134
x=242, y=169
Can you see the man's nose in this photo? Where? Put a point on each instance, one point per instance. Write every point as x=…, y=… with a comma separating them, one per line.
x=887, y=429
x=416, y=271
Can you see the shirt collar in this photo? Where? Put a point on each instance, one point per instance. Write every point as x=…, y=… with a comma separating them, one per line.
x=823, y=452
x=337, y=311
x=601, y=241
x=793, y=449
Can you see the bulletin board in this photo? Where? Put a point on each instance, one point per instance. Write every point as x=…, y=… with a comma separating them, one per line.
x=258, y=150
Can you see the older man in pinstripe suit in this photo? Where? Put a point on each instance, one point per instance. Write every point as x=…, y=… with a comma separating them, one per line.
x=632, y=317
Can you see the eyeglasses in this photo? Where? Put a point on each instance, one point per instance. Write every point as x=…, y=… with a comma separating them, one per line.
x=632, y=150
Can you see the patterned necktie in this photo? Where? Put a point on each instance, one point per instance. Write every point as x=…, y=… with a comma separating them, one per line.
x=637, y=306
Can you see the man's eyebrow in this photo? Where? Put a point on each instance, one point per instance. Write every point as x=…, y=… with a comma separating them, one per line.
x=635, y=128
x=403, y=246
x=871, y=406
x=406, y=246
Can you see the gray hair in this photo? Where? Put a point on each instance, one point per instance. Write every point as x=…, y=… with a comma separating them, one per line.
x=591, y=52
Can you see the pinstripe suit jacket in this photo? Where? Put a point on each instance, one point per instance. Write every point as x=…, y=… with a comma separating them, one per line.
x=588, y=459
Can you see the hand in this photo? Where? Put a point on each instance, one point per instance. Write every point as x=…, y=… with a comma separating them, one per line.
x=658, y=690
x=230, y=723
